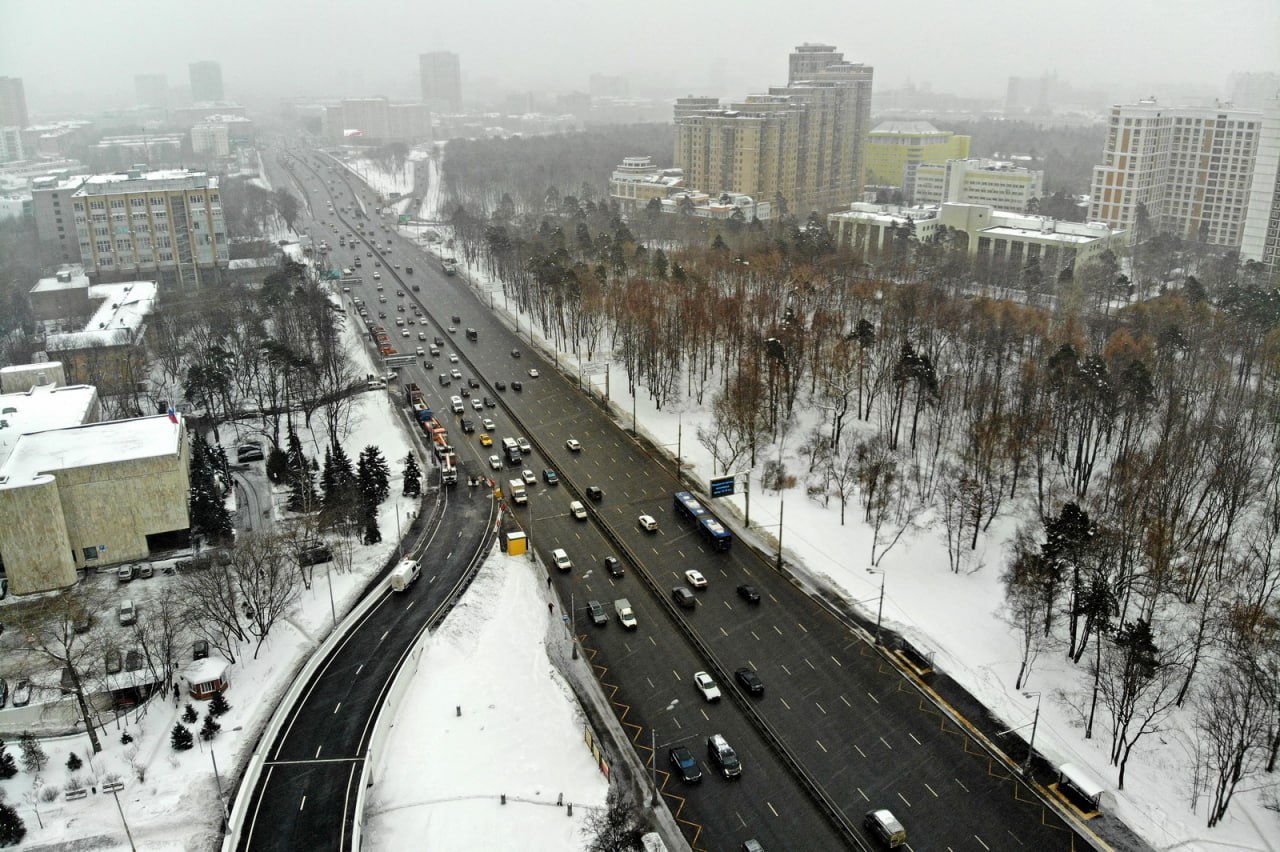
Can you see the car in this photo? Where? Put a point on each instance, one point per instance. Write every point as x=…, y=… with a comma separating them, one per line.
x=613, y=565
x=685, y=763
x=549, y=476
x=439, y=341
x=125, y=573
x=400, y=293
x=466, y=394
x=456, y=373
x=573, y=445
x=200, y=649
x=467, y=426
x=578, y=510
x=127, y=612
x=404, y=333
x=695, y=578
x=528, y=477
x=453, y=359
x=495, y=462
x=751, y=845
x=455, y=319
x=453, y=329
x=500, y=384
x=648, y=523
x=477, y=405
x=533, y=373
x=377, y=276
x=524, y=445
x=561, y=559
x=682, y=596
x=488, y=424
x=595, y=493
x=145, y=571
x=472, y=383
x=248, y=452
x=489, y=403
x=81, y=621
x=597, y=611
x=516, y=386
x=706, y=686
x=133, y=660
x=749, y=680
x=485, y=440
x=22, y=693
x=749, y=593
x=886, y=828
x=112, y=661
x=445, y=380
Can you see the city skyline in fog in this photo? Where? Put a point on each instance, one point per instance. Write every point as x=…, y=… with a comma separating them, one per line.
x=715, y=47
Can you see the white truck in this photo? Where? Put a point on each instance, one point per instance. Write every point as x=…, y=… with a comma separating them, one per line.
x=403, y=575
x=518, y=494
x=625, y=613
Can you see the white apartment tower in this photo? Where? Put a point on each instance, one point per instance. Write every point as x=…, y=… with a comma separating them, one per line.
x=1191, y=167
x=1261, y=240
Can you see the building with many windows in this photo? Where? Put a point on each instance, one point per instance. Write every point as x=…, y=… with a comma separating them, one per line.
x=13, y=103
x=441, y=78
x=997, y=184
x=378, y=120
x=206, y=82
x=1190, y=168
x=637, y=181
x=801, y=143
x=895, y=149
x=165, y=226
x=1261, y=240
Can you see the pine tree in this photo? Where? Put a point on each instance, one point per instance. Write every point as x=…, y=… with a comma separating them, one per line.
x=374, y=475
x=372, y=535
x=12, y=829
x=302, y=486
x=210, y=728
x=180, y=739
x=74, y=762
x=33, y=756
x=218, y=705
x=339, y=480
x=412, y=477
x=189, y=714
x=126, y=738
x=209, y=514
x=8, y=766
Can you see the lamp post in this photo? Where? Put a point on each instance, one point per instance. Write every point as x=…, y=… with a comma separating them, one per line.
x=1035, y=722
x=880, y=607
x=653, y=745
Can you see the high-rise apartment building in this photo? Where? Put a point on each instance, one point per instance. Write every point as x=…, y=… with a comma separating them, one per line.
x=162, y=225
x=151, y=90
x=206, y=82
x=1191, y=168
x=1261, y=240
x=441, y=73
x=802, y=142
x=13, y=103
x=896, y=148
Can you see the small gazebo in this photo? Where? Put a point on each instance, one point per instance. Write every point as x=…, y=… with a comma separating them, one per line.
x=206, y=677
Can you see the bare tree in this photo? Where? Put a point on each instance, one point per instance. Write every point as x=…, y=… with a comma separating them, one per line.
x=1231, y=722
x=210, y=597
x=1024, y=601
x=265, y=575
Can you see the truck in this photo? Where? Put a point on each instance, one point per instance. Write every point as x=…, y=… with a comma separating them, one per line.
x=422, y=411
x=449, y=468
x=512, y=449
x=518, y=495
x=450, y=266
x=625, y=613
x=413, y=393
x=403, y=575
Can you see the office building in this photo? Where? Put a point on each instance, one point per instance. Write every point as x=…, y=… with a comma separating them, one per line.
x=1191, y=168
x=164, y=225
x=376, y=120
x=11, y=149
x=151, y=90
x=99, y=331
x=13, y=103
x=55, y=220
x=1261, y=240
x=441, y=74
x=987, y=234
x=211, y=140
x=896, y=148
x=801, y=143
x=997, y=184
x=206, y=81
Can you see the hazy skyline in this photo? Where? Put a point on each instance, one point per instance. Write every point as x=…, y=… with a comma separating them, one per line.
x=80, y=53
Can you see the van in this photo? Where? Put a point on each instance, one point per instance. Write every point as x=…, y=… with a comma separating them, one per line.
x=456, y=403
x=403, y=575
x=376, y=384
x=885, y=827
x=127, y=613
x=723, y=756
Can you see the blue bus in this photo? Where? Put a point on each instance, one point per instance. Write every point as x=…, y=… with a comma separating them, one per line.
x=715, y=533
x=687, y=506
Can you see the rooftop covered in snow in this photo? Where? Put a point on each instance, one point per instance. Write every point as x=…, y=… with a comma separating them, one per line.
x=93, y=444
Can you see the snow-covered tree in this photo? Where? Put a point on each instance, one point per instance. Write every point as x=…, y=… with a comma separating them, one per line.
x=412, y=477
x=180, y=739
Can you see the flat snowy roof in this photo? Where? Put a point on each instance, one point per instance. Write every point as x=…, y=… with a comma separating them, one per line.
x=77, y=280
x=42, y=408
x=124, y=308
x=96, y=443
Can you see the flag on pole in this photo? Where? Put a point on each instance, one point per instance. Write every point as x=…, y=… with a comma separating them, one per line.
x=173, y=416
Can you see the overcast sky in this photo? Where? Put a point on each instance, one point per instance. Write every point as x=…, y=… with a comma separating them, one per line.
x=89, y=51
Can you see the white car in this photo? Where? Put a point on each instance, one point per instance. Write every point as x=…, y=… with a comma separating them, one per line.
x=453, y=359
x=457, y=374
x=706, y=686
x=529, y=477
x=495, y=462
x=488, y=424
x=524, y=445
x=377, y=276
x=561, y=559
x=695, y=579
x=573, y=445
x=533, y=373
x=648, y=523
x=477, y=405
x=578, y=510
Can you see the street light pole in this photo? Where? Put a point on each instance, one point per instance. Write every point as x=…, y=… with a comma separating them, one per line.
x=653, y=762
x=1035, y=722
x=880, y=608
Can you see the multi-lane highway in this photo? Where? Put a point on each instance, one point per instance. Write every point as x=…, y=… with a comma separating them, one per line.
x=837, y=730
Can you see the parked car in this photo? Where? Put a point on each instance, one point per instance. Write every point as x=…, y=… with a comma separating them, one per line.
x=595, y=608
x=686, y=764
x=749, y=680
x=127, y=612
x=706, y=686
x=145, y=571
x=124, y=573
x=112, y=661
x=22, y=693
x=133, y=661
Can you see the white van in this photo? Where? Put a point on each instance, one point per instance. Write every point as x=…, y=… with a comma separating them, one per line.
x=456, y=403
x=403, y=575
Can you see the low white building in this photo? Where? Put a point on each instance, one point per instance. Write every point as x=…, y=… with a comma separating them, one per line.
x=995, y=183
x=637, y=181
x=212, y=139
x=724, y=206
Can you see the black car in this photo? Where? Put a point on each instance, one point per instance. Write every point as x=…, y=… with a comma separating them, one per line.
x=439, y=341
x=500, y=385
x=595, y=493
x=684, y=597
x=468, y=426
x=614, y=566
x=133, y=660
x=749, y=680
x=685, y=763
x=489, y=403
x=313, y=553
x=112, y=661
x=466, y=393
x=444, y=379
x=516, y=386
x=472, y=383
x=515, y=353
x=200, y=649
x=456, y=319
x=748, y=593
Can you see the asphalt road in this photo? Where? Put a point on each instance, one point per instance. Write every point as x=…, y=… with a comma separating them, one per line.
x=858, y=728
